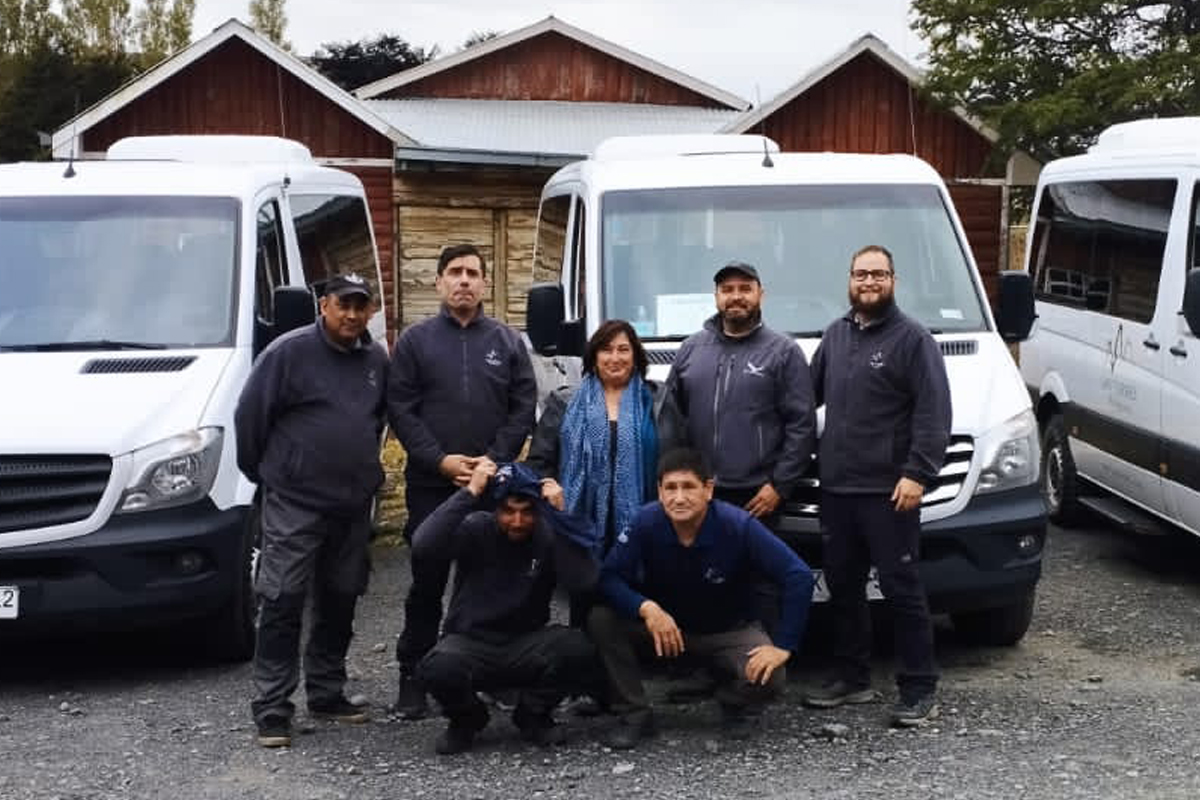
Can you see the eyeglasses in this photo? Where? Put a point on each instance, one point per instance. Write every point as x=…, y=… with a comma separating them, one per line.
x=860, y=275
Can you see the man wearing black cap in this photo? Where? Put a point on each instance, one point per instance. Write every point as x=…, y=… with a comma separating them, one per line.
x=508, y=562
x=747, y=396
x=308, y=424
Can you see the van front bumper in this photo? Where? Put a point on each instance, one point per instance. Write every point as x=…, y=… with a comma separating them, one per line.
x=989, y=555
x=138, y=569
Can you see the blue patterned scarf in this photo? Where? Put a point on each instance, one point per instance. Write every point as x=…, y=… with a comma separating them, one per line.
x=585, y=473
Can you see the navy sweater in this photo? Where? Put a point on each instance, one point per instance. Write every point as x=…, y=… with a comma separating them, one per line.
x=309, y=419
x=709, y=586
x=455, y=389
x=887, y=404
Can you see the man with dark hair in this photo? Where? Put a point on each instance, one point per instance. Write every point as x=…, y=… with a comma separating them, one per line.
x=881, y=377
x=461, y=387
x=508, y=562
x=681, y=578
x=745, y=392
x=308, y=423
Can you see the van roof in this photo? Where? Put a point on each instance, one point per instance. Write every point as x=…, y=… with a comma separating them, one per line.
x=1143, y=143
x=165, y=178
x=745, y=169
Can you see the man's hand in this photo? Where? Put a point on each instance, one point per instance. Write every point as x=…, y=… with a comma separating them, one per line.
x=668, y=639
x=765, y=502
x=552, y=493
x=485, y=468
x=764, y=660
x=457, y=468
x=907, y=494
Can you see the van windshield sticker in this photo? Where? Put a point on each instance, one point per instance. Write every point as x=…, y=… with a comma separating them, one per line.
x=951, y=313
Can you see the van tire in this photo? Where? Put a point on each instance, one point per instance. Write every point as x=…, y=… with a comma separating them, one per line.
x=996, y=627
x=230, y=633
x=1059, y=481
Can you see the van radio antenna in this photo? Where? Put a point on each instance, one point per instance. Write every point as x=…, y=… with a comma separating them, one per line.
x=767, y=162
x=69, y=172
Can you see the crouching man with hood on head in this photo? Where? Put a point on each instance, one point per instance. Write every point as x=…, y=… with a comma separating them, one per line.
x=497, y=636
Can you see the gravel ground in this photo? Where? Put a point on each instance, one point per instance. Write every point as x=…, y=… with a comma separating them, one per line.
x=1099, y=701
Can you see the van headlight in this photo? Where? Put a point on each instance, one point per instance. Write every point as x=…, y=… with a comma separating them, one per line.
x=1010, y=455
x=173, y=472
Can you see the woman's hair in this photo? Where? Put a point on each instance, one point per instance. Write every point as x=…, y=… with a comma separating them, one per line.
x=605, y=334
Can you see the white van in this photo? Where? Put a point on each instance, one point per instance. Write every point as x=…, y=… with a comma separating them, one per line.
x=1114, y=362
x=134, y=294
x=638, y=230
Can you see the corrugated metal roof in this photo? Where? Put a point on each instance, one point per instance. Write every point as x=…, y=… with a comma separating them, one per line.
x=538, y=126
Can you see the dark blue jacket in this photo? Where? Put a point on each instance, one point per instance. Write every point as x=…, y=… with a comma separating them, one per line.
x=887, y=404
x=748, y=405
x=455, y=389
x=709, y=586
x=309, y=419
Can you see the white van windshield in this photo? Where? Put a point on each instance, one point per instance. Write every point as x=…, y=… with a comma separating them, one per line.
x=83, y=273
x=661, y=247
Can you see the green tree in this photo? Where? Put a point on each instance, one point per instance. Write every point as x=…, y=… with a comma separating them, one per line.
x=98, y=27
x=27, y=26
x=162, y=29
x=269, y=18
x=354, y=64
x=1049, y=76
x=479, y=37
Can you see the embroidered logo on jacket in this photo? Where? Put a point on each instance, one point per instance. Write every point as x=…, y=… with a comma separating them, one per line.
x=493, y=358
x=752, y=369
x=714, y=575
x=876, y=361
x=372, y=380
x=533, y=567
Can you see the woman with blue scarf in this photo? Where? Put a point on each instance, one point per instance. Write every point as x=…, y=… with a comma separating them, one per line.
x=597, y=446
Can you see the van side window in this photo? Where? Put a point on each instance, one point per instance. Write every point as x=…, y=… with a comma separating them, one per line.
x=269, y=265
x=551, y=238
x=1194, y=243
x=334, y=234
x=1099, y=245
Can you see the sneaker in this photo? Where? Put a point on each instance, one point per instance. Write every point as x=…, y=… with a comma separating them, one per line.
x=410, y=701
x=275, y=731
x=502, y=699
x=459, y=736
x=738, y=724
x=911, y=713
x=630, y=729
x=585, y=706
x=838, y=693
x=339, y=709
x=538, y=729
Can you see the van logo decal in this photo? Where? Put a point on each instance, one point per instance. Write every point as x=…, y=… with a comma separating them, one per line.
x=1114, y=348
x=876, y=361
x=756, y=371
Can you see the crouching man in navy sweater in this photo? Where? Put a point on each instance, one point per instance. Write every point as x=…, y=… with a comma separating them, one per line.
x=681, y=578
x=496, y=633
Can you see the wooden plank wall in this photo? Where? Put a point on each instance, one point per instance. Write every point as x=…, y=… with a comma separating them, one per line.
x=979, y=209
x=554, y=67
x=494, y=209
x=235, y=89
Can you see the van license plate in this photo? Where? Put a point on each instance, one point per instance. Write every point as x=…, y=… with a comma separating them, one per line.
x=821, y=588
x=10, y=597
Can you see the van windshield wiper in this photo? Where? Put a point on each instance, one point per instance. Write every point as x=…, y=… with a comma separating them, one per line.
x=83, y=344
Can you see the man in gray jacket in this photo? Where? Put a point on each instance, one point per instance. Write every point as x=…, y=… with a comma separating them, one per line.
x=308, y=424
x=747, y=397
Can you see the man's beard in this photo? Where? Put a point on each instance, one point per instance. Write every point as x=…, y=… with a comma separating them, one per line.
x=872, y=310
x=742, y=325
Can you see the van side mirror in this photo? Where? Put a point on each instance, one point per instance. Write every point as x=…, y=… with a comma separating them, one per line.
x=549, y=334
x=1191, y=301
x=294, y=308
x=1016, y=310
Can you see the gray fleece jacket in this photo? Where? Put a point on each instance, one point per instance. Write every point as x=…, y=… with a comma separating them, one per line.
x=748, y=403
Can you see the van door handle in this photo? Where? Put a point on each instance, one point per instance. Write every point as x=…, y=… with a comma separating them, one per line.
x=1177, y=350
x=1152, y=343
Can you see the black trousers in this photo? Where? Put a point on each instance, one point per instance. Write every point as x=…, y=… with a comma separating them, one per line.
x=545, y=665
x=423, y=605
x=861, y=530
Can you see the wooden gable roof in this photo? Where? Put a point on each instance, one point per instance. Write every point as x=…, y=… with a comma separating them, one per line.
x=551, y=60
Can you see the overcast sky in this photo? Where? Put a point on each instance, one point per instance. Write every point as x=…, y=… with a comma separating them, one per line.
x=753, y=48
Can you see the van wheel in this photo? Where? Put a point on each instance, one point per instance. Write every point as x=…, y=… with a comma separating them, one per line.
x=1060, y=483
x=230, y=633
x=996, y=627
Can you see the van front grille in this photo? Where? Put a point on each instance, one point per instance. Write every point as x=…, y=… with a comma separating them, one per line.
x=40, y=491
x=805, y=501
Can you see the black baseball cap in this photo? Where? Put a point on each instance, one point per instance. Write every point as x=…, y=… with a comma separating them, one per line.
x=347, y=284
x=736, y=268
